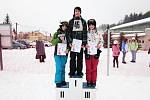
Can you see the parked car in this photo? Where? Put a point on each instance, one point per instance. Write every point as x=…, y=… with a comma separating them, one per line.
x=24, y=42
x=32, y=44
x=17, y=45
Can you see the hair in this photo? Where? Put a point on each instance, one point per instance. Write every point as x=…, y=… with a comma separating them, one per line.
x=91, y=22
x=94, y=28
x=64, y=23
x=76, y=8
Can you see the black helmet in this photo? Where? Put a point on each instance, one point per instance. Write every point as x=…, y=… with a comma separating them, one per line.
x=91, y=21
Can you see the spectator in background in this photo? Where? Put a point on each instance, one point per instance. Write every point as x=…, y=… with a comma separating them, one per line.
x=116, y=53
x=40, y=50
x=133, y=47
x=124, y=49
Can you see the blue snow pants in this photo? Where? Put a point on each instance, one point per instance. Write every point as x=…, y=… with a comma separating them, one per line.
x=60, y=62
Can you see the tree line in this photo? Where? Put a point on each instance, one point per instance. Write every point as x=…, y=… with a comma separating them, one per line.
x=127, y=18
x=132, y=17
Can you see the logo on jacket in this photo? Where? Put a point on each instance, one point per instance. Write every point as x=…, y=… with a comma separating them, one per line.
x=77, y=26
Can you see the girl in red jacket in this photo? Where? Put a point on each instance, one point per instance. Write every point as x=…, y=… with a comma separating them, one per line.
x=116, y=52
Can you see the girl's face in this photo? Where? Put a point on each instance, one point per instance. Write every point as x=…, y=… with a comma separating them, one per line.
x=64, y=27
x=77, y=13
x=91, y=27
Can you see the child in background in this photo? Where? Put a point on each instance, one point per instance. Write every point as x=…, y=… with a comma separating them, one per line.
x=124, y=49
x=92, y=60
x=40, y=50
x=133, y=47
x=116, y=52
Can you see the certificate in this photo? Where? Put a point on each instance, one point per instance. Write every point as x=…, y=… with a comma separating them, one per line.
x=76, y=45
x=92, y=50
x=61, y=49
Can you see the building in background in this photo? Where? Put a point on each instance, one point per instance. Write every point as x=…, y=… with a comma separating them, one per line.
x=139, y=29
x=143, y=39
x=32, y=36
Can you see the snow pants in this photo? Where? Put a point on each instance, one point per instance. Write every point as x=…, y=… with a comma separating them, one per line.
x=60, y=62
x=91, y=69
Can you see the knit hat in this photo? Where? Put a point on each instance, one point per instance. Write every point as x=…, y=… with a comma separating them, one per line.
x=115, y=42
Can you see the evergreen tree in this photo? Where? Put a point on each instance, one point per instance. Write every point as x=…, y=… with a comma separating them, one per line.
x=7, y=19
x=126, y=19
x=132, y=17
x=147, y=14
x=102, y=27
x=112, y=25
x=140, y=16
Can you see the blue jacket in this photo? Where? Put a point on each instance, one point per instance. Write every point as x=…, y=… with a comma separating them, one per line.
x=124, y=47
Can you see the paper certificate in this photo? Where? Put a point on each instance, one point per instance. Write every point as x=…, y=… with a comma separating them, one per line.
x=76, y=45
x=61, y=49
x=92, y=50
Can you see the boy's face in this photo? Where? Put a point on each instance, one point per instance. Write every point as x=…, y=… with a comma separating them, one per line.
x=77, y=13
x=91, y=27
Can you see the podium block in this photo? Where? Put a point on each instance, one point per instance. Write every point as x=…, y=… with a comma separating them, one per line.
x=63, y=92
x=75, y=82
x=75, y=94
x=76, y=90
x=89, y=93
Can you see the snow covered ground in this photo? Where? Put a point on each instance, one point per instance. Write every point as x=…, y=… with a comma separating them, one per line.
x=24, y=78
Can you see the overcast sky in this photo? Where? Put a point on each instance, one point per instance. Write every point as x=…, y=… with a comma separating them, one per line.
x=46, y=14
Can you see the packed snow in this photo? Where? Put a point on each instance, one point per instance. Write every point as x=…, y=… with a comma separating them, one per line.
x=25, y=78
